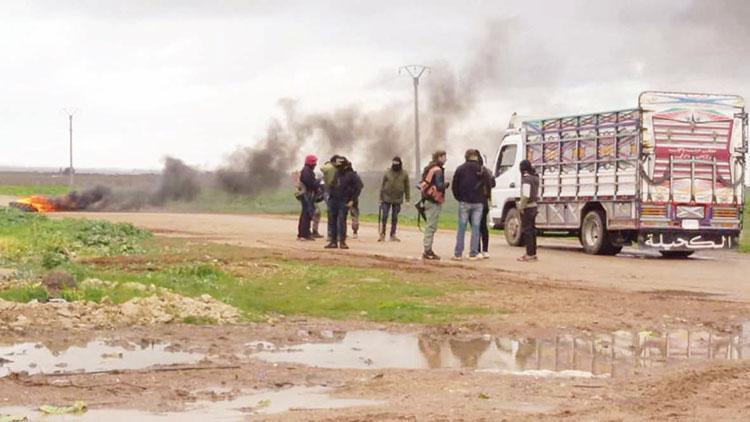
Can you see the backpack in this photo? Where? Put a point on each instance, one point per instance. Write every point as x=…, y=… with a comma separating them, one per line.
x=428, y=189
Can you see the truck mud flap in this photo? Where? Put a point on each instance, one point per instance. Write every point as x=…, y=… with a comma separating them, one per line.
x=687, y=241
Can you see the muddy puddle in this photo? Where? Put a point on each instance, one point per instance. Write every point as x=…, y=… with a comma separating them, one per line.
x=614, y=354
x=244, y=406
x=97, y=355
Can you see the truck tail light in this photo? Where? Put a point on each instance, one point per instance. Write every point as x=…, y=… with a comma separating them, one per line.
x=730, y=213
x=654, y=211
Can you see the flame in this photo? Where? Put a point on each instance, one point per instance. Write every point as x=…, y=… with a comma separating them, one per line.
x=39, y=203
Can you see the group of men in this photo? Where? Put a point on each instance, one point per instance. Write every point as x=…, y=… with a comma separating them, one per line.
x=339, y=188
x=472, y=183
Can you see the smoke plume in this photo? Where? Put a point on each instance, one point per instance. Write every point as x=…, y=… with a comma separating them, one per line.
x=178, y=182
x=374, y=136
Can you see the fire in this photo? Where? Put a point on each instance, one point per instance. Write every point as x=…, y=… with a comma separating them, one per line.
x=38, y=203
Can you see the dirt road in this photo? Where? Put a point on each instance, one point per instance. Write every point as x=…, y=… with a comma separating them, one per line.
x=723, y=274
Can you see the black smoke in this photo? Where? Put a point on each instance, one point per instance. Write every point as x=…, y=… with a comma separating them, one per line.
x=178, y=182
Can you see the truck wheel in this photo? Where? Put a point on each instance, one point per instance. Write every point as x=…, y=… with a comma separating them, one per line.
x=675, y=254
x=594, y=237
x=513, y=228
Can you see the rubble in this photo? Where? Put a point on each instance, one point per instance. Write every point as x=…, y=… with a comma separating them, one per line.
x=162, y=307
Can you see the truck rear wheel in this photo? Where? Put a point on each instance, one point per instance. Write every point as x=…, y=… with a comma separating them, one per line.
x=676, y=254
x=594, y=237
x=513, y=228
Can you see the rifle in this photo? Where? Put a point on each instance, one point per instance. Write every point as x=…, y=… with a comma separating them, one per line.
x=421, y=214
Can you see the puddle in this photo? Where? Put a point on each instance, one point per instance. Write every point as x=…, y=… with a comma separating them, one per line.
x=267, y=402
x=618, y=353
x=97, y=355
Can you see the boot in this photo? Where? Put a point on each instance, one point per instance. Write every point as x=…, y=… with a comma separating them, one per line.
x=332, y=245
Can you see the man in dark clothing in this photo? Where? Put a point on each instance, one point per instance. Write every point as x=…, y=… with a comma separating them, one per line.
x=527, y=206
x=394, y=188
x=488, y=182
x=467, y=189
x=345, y=189
x=308, y=188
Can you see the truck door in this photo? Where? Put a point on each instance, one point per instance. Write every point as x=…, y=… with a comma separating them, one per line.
x=507, y=177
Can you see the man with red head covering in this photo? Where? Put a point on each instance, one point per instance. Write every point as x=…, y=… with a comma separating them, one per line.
x=307, y=189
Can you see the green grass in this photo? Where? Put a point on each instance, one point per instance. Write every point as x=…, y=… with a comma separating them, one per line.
x=34, y=244
x=24, y=294
x=26, y=190
x=33, y=241
x=296, y=288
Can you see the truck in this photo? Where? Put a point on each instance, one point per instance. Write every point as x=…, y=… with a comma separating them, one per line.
x=667, y=175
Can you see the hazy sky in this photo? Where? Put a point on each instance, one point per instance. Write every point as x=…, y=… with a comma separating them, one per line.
x=197, y=79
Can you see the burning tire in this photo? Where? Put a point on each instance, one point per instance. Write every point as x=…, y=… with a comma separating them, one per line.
x=22, y=207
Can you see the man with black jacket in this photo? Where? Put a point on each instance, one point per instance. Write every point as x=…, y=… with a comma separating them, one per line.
x=468, y=189
x=308, y=188
x=345, y=189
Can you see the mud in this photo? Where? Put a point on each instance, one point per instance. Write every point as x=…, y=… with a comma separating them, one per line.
x=94, y=356
x=240, y=407
x=234, y=372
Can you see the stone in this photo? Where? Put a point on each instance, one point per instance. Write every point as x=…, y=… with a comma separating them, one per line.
x=57, y=281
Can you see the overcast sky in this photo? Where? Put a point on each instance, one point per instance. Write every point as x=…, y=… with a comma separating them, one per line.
x=197, y=79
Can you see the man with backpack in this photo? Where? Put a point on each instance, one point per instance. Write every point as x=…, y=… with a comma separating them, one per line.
x=394, y=188
x=432, y=187
x=468, y=181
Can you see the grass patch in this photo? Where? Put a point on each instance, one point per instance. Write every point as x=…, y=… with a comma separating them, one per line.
x=24, y=294
x=296, y=288
x=26, y=190
x=34, y=241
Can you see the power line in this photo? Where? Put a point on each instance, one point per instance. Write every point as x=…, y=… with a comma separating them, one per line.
x=415, y=71
x=70, y=112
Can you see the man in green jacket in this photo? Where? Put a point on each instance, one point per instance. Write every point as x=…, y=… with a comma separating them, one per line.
x=394, y=188
x=329, y=173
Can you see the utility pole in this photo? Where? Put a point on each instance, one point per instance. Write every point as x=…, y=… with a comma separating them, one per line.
x=415, y=71
x=70, y=112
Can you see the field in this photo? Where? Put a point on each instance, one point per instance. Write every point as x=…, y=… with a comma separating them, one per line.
x=240, y=320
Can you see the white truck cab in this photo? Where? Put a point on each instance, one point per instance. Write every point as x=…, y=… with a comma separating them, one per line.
x=507, y=180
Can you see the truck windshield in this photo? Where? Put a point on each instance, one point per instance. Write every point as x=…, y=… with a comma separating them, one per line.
x=506, y=159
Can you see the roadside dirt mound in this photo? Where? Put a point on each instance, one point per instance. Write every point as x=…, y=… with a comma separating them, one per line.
x=161, y=308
